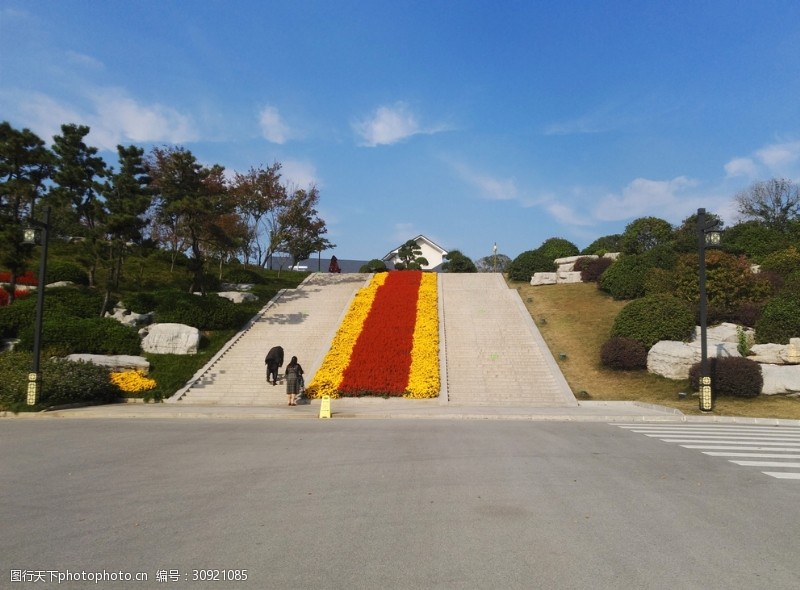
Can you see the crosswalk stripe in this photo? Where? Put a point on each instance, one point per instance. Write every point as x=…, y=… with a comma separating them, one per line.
x=763, y=442
x=758, y=455
x=782, y=474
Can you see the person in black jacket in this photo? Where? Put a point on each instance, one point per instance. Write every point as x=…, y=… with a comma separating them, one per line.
x=274, y=360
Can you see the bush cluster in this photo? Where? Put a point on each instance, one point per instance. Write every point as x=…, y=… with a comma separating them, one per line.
x=653, y=318
x=730, y=376
x=242, y=275
x=61, y=270
x=780, y=319
x=592, y=269
x=62, y=335
x=204, y=313
x=63, y=382
x=524, y=266
x=625, y=279
x=623, y=354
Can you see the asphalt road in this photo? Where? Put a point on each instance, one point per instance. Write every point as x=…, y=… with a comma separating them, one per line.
x=383, y=504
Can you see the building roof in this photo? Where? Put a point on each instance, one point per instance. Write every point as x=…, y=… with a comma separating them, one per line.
x=418, y=239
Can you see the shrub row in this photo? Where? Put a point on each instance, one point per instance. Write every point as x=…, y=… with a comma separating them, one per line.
x=730, y=376
x=63, y=382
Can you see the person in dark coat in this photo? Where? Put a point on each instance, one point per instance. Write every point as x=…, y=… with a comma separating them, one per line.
x=274, y=360
x=294, y=376
x=334, y=265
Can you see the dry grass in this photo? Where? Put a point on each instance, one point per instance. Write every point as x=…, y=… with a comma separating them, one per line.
x=576, y=319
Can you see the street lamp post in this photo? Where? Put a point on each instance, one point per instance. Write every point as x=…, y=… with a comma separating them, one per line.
x=494, y=251
x=29, y=237
x=708, y=234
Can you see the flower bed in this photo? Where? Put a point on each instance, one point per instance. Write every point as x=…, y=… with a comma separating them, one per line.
x=388, y=343
x=132, y=381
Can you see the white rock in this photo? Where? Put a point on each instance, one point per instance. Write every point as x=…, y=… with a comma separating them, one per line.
x=129, y=318
x=767, y=353
x=544, y=278
x=170, y=339
x=237, y=286
x=237, y=296
x=568, y=277
x=672, y=359
x=117, y=362
x=780, y=379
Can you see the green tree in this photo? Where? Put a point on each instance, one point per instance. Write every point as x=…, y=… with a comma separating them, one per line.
x=78, y=208
x=301, y=228
x=127, y=199
x=754, y=240
x=190, y=198
x=261, y=199
x=645, y=233
x=493, y=263
x=411, y=258
x=457, y=262
x=685, y=236
x=774, y=202
x=610, y=243
x=25, y=164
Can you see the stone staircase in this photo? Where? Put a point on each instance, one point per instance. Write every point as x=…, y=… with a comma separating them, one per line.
x=492, y=351
x=303, y=321
x=495, y=354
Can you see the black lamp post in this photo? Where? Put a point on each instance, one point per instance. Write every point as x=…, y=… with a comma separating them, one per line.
x=38, y=229
x=708, y=234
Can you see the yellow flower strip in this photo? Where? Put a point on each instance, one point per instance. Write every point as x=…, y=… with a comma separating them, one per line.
x=329, y=376
x=423, y=380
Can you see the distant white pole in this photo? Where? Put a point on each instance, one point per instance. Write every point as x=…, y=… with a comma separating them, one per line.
x=494, y=251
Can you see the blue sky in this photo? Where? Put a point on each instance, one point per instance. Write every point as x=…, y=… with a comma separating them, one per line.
x=472, y=122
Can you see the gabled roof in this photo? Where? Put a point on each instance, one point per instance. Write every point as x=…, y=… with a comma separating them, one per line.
x=418, y=239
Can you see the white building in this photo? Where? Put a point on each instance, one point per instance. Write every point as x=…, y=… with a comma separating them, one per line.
x=431, y=251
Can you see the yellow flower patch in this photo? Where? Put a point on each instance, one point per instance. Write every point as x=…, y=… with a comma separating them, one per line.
x=423, y=380
x=132, y=381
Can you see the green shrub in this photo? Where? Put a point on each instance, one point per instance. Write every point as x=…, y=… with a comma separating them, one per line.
x=625, y=278
x=553, y=248
x=592, y=269
x=59, y=302
x=242, y=275
x=658, y=280
x=730, y=376
x=204, y=313
x=611, y=243
x=523, y=267
x=373, y=265
x=140, y=302
x=623, y=354
x=62, y=335
x=780, y=320
x=61, y=270
x=782, y=262
x=654, y=318
x=63, y=382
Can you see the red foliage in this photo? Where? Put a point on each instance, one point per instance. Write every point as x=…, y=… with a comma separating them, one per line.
x=386, y=339
x=25, y=278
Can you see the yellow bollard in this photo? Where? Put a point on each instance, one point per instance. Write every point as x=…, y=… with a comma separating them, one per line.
x=325, y=407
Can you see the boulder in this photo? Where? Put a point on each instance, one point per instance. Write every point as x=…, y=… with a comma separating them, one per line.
x=567, y=264
x=780, y=379
x=115, y=362
x=237, y=286
x=791, y=353
x=237, y=296
x=672, y=359
x=129, y=318
x=767, y=353
x=544, y=278
x=568, y=277
x=170, y=339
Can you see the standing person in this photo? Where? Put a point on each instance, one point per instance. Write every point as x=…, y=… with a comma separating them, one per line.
x=334, y=265
x=293, y=374
x=274, y=360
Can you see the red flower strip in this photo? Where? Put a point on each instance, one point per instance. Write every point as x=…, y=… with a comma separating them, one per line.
x=381, y=359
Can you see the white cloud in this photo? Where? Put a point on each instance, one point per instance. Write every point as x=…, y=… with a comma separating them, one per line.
x=741, y=167
x=115, y=118
x=779, y=156
x=273, y=128
x=298, y=174
x=492, y=188
x=119, y=118
x=643, y=197
x=85, y=61
x=777, y=159
x=390, y=124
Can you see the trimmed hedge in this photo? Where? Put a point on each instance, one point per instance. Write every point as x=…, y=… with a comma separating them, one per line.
x=653, y=318
x=64, y=335
x=733, y=376
x=523, y=267
x=204, y=313
x=625, y=279
x=592, y=269
x=623, y=354
x=63, y=382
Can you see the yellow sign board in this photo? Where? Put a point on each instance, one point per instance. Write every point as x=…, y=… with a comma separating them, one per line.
x=325, y=407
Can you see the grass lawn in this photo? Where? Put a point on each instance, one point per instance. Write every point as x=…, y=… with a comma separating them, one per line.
x=575, y=321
